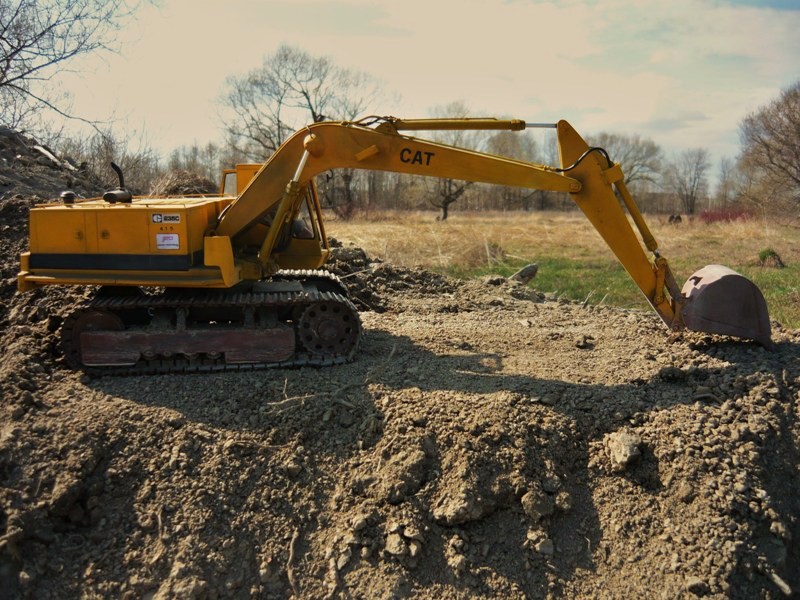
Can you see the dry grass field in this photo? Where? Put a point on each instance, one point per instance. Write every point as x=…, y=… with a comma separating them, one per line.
x=573, y=260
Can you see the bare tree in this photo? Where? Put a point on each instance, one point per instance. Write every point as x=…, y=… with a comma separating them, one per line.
x=687, y=177
x=39, y=38
x=444, y=192
x=254, y=121
x=728, y=183
x=760, y=192
x=312, y=82
x=139, y=162
x=641, y=158
x=206, y=161
x=288, y=90
x=450, y=190
x=520, y=146
x=770, y=140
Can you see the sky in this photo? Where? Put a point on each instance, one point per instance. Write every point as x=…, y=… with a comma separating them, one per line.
x=681, y=72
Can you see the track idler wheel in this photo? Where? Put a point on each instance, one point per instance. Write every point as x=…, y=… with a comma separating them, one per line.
x=86, y=320
x=329, y=328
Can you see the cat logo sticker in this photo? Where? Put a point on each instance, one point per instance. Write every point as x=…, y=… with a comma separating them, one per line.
x=161, y=218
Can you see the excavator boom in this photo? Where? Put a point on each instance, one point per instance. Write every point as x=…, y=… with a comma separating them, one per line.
x=333, y=145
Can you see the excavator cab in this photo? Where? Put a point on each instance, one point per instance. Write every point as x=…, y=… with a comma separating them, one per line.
x=235, y=180
x=302, y=243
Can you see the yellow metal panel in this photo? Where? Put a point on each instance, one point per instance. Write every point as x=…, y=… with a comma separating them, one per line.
x=90, y=228
x=198, y=277
x=70, y=241
x=600, y=205
x=121, y=230
x=613, y=174
x=302, y=254
x=96, y=227
x=218, y=252
x=58, y=230
x=201, y=221
x=244, y=173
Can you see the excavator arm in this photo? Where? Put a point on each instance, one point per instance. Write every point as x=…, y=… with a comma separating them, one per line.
x=715, y=299
x=338, y=145
x=587, y=175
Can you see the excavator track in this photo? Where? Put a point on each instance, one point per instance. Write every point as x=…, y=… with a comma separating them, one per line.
x=298, y=318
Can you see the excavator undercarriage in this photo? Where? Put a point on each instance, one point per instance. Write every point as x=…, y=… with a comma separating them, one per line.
x=297, y=318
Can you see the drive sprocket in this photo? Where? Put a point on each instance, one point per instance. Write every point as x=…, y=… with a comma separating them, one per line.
x=329, y=327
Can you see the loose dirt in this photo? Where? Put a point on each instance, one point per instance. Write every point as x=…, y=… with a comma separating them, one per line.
x=488, y=441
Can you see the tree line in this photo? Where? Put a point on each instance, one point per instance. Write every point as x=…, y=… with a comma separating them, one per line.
x=261, y=108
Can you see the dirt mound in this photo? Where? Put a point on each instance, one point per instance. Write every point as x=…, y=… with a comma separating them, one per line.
x=183, y=183
x=37, y=307
x=487, y=442
x=32, y=170
x=372, y=283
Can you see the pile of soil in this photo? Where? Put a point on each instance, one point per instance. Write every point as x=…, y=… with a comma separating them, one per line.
x=183, y=183
x=372, y=283
x=31, y=170
x=488, y=441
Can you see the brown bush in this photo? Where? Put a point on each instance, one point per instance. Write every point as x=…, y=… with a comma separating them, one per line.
x=483, y=252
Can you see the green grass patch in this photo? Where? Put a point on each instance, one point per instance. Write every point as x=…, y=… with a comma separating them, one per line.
x=607, y=282
x=781, y=289
x=574, y=263
x=600, y=281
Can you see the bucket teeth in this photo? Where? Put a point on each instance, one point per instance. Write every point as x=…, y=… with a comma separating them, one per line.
x=719, y=300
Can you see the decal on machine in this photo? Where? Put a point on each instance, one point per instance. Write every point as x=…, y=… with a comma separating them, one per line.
x=168, y=241
x=166, y=218
x=416, y=157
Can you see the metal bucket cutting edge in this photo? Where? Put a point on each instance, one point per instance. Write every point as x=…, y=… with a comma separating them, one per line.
x=719, y=300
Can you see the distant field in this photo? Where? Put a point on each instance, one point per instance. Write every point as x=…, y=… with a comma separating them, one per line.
x=573, y=260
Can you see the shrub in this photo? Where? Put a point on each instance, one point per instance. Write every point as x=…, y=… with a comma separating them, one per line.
x=769, y=258
x=724, y=215
x=483, y=253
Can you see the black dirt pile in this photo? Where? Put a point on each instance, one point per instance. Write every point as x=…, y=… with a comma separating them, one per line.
x=372, y=283
x=519, y=449
x=31, y=173
x=41, y=305
x=13, y=239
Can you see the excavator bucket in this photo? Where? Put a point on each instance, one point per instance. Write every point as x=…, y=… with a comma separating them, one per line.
x=719, y=300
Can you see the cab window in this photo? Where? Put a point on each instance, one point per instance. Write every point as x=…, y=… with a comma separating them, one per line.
x=303, y=226
x=229, y=184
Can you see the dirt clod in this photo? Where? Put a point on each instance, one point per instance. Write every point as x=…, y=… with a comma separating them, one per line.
x=623, y=449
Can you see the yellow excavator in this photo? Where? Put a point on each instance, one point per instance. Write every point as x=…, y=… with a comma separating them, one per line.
x=230, y=281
